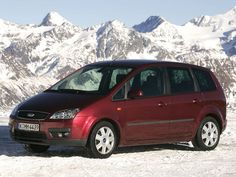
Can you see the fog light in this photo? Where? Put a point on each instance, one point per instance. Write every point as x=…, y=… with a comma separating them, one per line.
x=66, y=134
x=60, y=135
x=59, y=132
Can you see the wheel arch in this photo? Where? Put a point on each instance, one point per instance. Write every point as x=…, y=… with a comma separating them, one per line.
x=217, y=118
x=113, y=122
x=210, y=111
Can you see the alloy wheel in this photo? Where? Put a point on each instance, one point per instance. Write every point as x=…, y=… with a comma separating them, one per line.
x=209, y=134
x=104, y=140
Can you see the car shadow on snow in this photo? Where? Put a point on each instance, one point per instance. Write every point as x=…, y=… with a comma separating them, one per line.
x=184, y=146
x=11, y=148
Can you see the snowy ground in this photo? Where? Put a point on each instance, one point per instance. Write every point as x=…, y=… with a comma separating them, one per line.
x=158, y=160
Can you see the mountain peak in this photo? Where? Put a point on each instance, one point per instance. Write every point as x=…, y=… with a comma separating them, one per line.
x=53, y=19
x=111, y=25
x=217, y=22
x=233, y=9
x=150, y=24
x=231, y=13
x=117, y=22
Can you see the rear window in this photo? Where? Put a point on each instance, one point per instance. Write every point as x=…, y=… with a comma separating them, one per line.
x=204, y=79
x=180, y=80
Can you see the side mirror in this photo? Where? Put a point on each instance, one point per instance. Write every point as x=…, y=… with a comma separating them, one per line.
x=135, y=93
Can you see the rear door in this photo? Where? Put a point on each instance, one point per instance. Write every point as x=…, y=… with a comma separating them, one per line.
x=185, y=102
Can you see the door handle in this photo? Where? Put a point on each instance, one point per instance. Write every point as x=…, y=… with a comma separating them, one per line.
x=195, y=100
x=161, y=104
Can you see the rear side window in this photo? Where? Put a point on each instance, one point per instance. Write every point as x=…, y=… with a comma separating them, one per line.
x=204, y=79
x=180, y=80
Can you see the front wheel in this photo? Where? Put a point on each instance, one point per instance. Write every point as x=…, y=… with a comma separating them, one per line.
x=208, y=135
x=103, y=140
x=34, y=148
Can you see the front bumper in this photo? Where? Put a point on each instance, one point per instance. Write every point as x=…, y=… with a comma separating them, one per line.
x=51, y=133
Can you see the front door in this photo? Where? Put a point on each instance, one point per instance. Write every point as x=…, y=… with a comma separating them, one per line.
x=147, y=113
x=147, y=118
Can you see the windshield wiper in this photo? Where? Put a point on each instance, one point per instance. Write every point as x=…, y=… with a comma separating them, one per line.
x=65, y=91
x=69, y=91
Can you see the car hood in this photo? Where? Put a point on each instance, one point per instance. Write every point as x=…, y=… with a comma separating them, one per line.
x=52, y=101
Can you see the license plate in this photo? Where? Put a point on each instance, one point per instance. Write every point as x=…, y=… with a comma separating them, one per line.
x=28, y=127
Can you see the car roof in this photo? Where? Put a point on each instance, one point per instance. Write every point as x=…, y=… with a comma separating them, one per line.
x=140, y=62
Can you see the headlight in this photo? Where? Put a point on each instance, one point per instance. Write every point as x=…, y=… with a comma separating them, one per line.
x=65, y=114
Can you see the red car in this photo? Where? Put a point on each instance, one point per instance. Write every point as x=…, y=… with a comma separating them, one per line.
x=122, y=103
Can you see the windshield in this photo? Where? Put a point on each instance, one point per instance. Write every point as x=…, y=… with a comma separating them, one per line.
x=92, y=79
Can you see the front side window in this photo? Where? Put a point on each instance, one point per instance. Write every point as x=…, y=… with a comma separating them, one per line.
x=118, y=75
x=151, y=82
x=92, y=79
x=180, y=80
x=148, y=81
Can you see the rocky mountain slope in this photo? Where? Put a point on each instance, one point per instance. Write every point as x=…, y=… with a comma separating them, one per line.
x=32, y=57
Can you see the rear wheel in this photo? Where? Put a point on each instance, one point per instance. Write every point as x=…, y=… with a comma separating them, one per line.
x=103, y=140
x=208, y=135
x=36, y=148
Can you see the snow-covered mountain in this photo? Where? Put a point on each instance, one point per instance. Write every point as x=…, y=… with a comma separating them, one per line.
x=217, y=22
x=53, y=19
x=32, y=57
x=150, y=24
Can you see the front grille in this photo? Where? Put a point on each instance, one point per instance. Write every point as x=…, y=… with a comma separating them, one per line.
x=29, y=136
x=32, y=115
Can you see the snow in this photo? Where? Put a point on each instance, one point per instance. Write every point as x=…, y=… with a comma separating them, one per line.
x=53, y=19
x=63, y=44
x=5, y=73
x=156, y=160
x=203, y=35
x=144, y=55
x=150, y=24
x=57, y=48
x=217, y=22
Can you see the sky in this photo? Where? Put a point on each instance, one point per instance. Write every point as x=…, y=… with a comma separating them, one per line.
x=92, y=12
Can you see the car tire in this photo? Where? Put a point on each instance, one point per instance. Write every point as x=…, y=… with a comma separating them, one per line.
x=208, y=135
x=103, y=140
x=34, y=148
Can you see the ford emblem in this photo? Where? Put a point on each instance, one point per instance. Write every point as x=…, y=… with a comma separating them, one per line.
x=30, y=115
